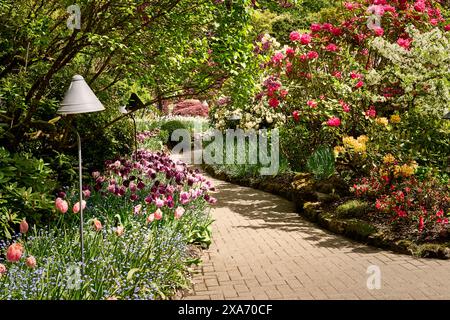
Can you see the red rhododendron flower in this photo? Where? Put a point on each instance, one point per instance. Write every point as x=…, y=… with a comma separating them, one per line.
x=311, y=103
x=305, y=39
x=294, y=36
x=316, y=27
x=273, y=102
x=420, y=6
x=296, y=115
x=277, y=57
x=371, y=113
x=378, y=31
x=345, y=106
x=421, y=224
x=359, y=84
x=290, y=51
x=312, y=55
x=331, y=47
x=327, y=26
x=447, y=27
x=405, y=43
x=337, y=74
x=355, y=75
x=334, y=122
x=336, y=31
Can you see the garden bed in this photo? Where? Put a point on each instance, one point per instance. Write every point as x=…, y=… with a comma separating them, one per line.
x=334, y=209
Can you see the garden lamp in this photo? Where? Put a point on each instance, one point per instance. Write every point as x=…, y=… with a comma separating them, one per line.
x=134, y=103
x=79, y=98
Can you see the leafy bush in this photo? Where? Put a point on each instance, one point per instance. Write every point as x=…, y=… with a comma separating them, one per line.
x=26, y=185
x=321, y=163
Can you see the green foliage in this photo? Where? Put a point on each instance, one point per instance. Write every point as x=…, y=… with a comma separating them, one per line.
x=26, y=184
x=8, y=220
x=321, y=163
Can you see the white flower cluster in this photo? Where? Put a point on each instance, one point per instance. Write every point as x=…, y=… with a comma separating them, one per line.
x=254, y=117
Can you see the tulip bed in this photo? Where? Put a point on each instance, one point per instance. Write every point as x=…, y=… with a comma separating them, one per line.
x=141, y=215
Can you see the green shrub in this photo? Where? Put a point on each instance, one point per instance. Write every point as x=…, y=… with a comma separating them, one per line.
x=321, y=163
x=26, y=184
x=170, y=127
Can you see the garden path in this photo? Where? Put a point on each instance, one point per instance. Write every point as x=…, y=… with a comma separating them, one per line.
x=262, y=249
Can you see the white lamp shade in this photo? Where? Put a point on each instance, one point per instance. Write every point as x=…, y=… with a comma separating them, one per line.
x=79, y=98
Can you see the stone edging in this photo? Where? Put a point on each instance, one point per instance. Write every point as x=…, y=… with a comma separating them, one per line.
x=313, y=212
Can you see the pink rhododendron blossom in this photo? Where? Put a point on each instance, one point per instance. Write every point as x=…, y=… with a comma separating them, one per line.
x=378, y=31
x=405, y=43
x=305, y=39
x=316, y=27
x=420, y=6
x=296, y=115
x=274, y=102
x=294, y=36
x=331, y=47
x=334, y=122
x=312, y=55
x=311, y=103
x=371, y=112
x=359, y=84
x=277, y=57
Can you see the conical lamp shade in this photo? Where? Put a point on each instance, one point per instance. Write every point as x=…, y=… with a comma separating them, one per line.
x=79, y=98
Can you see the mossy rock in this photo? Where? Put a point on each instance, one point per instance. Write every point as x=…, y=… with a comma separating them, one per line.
x=359, y=229
x=333, y=185
x=432, y=250
x=311, y=210
x=352, y=209
x=326, y=198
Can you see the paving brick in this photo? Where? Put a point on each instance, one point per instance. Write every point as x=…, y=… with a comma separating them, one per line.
x=263, y=250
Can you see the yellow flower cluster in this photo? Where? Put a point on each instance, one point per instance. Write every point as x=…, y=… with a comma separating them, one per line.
x=405, y=170
x=389, y=158
x=395, y=118
x=382, y=121
x=338, y=150
x=357, y=145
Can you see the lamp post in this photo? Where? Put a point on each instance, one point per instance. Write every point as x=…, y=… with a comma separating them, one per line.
x=79, y=98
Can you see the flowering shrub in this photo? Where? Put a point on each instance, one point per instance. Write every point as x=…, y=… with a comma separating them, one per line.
x=347, y=75
x=401, y=197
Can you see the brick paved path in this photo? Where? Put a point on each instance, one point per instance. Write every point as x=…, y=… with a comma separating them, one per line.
x=263, y=250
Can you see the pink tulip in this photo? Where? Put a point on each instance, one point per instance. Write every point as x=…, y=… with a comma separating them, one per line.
x=137, y=209
x=61, y=205
x=76, y=206
x=179, y=212
x=31, y=262
x=14, y=252
x=23, y=227
x=119, y=231
x=158, y=214
x=2, y=269
x=87, y=193
x=133, y=187
x=112, y=188
x=97, y=225
x=184, y=197
x=212, y=200
x=95, y=174
x=159, y=203
x=150, y=218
